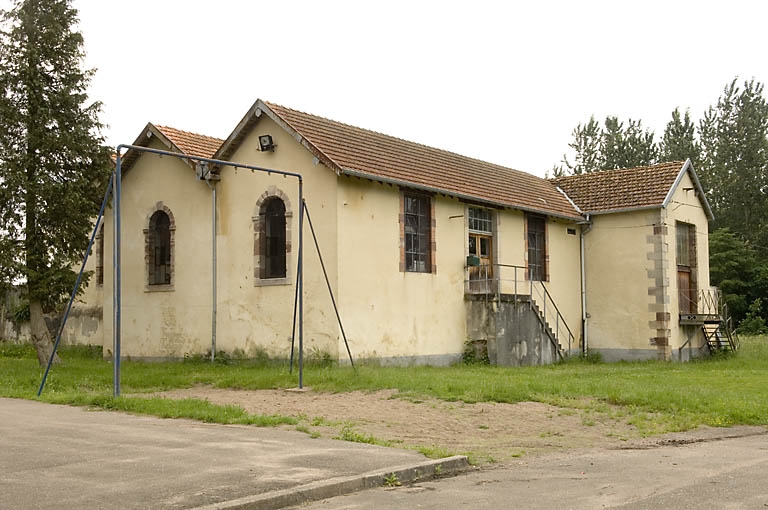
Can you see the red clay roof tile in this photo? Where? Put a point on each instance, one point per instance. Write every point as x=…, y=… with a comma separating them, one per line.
x=374, y=155
x=191, y=144
x=622, y=189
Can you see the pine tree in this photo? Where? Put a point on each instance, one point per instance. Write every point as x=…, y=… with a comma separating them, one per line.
x=612, y=146
x=586, y=145
x=734, y=167
x=53, y=163
x=679, y=142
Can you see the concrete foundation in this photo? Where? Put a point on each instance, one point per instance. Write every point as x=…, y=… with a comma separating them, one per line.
x=511, y=329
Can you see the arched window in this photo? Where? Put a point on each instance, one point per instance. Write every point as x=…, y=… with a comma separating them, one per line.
x=159, y=249
x=273, y=238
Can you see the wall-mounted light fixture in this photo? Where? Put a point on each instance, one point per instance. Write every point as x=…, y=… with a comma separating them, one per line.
x=266, y=143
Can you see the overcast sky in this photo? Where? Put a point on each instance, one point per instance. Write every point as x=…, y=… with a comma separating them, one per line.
x=505, y=82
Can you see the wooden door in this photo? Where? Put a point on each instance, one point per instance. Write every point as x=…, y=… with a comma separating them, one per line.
x=686, y=296
x=481, y=276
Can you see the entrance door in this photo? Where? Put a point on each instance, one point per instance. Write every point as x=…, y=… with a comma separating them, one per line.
x=684, y=290
x=481, y=276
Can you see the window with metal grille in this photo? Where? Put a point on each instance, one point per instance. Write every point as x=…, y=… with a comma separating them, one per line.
x=417, y=225
x=480, y=220
x=683, y=244
x=159, y=249
x=537, y=248
x=273, y=238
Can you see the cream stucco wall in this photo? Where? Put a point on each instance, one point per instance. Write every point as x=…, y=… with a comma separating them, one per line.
x=259, y=317
x=565, y=277
x=685, y=207
x=616, y=263
x=388, y=313
x=631, y=271
x=168, y=322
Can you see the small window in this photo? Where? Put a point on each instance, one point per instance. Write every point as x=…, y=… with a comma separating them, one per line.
x=480, y=220
x=159, y=249
x=273, y=238
x=417, y=228
x=537, y=248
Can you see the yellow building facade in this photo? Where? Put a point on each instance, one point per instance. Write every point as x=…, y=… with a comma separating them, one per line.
x=427, y=253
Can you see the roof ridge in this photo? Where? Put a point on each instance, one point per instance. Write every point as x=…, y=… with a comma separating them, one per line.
x=160, y=127
x=679, y=163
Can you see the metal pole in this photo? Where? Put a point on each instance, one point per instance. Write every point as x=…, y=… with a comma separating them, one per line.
x=328, y=283
x=295, y=305
x=301, y=284
x=213, y=273
x=116, y=299
x=77, y=285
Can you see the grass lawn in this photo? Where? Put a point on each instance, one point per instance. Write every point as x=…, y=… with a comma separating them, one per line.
x=656, y=396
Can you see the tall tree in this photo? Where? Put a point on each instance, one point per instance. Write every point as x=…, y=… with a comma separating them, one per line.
x=734, y=167
x=53, y=161
x=679, y=141
x=627, y=147
x=586, y=144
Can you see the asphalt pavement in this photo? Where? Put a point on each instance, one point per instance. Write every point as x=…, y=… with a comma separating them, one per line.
x=64, y=457
x=704, y=469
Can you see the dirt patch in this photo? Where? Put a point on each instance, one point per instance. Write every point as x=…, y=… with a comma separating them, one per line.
x=487, y=432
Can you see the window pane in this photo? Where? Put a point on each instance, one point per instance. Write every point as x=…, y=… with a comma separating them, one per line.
x=537, y=250
x=416, y=233
x=484, y=246
x=274, y=236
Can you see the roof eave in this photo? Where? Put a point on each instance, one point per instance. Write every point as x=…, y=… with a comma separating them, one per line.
x=260, y=107
x=463, y=196
x=150, y=130
x=623, y=210
x=688, y=168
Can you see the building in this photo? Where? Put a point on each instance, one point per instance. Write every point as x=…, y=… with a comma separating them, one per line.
x=428, y=253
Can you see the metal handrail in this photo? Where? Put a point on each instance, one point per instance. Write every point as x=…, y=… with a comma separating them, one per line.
x=489, y=281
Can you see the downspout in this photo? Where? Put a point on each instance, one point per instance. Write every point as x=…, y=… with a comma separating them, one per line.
x=213, y=272
x=585, y=228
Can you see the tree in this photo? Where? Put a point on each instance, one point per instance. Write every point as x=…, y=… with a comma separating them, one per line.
x=734, y=167
x=679, y=141
x=586, y=144
x=612, y=146
x=627, y=147
x=53, y=161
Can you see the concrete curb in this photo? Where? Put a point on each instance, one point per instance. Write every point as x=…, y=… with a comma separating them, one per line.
x=339, y=486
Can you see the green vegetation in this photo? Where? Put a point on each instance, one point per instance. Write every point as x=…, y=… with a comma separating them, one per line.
x=654, y=396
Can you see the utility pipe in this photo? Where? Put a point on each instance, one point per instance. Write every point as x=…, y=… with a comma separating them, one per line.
x=585, y=228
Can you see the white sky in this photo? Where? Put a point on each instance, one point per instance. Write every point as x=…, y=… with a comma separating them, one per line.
x=505, y=82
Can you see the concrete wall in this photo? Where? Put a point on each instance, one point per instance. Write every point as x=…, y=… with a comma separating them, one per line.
x=511, y=331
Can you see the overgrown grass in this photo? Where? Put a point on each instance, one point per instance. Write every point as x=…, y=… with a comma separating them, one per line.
x=656, y=396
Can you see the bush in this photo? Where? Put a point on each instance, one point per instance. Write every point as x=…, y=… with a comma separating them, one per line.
x=753, y=323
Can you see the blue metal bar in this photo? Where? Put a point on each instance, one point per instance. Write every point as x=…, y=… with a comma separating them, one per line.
x=301, y=285
x=295, y=305
x=117, y=278
x=116, y=297
x=77, y=285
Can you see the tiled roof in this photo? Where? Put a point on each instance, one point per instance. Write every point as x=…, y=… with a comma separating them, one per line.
x=354, y=151
x=191, y=144
x=615, y=190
